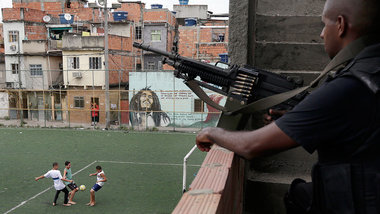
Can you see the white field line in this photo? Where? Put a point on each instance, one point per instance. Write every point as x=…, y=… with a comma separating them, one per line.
x=140, y=163
x=35, y=196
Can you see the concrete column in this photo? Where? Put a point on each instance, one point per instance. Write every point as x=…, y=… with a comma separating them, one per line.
x=242, y=31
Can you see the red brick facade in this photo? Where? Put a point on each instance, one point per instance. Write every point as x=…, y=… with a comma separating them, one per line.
x=204, y=41
x=135, y=10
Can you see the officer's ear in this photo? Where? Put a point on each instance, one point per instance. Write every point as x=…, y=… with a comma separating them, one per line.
x=342, y=25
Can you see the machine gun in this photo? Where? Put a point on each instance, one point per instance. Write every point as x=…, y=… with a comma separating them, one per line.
x=245, y=84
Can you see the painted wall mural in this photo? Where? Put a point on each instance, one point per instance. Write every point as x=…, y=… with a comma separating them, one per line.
x=158, y=99
x=146, y=110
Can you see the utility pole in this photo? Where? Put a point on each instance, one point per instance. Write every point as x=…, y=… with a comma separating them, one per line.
x=106, y=65
x=20, y=100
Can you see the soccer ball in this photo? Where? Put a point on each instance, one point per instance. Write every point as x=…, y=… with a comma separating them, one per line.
x=82, y=187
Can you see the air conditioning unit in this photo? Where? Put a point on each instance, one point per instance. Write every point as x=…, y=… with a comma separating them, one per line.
x=77, y=75
x=9, y=85
x=13, y=47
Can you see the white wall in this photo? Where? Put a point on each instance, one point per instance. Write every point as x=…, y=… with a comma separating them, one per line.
x=13, y=26
x=89, y=77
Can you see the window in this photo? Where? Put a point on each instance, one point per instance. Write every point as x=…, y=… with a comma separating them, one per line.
x=35, y=70
x=151, y=66
x=95, y=62
x=218, y=35
x=138, y=34
x=68, y=3
x=14, y=68
x=156, y=35
x=73, y=63
x=13, y=36
x=198, y=105
x=78, y=102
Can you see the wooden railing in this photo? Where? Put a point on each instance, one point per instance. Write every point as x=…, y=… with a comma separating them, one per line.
x=218, y=186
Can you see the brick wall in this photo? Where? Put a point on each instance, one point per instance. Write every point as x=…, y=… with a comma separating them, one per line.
x=35, y=32
x=207, y=48
x=120, y=66
x=32, y=15
x=157, y=15
x=11, y=14
x=56, y=8
x=133, y=9
x=31, y=5
x=121, y=46
x=120, y=43
x=83, y=115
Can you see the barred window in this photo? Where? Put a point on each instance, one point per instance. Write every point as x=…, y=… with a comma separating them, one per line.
x=35, y=70
x=156, y=35
x=151, y=66
x=73, y=63
x=14, y=68
x=138, y=34
x=95, y=62
x=13, y=36
x=78, y=102
x=218, y=35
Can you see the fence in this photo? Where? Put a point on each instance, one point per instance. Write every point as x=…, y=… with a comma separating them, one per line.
x=139, y=100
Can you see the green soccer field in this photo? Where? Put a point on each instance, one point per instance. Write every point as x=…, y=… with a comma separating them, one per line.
x=144, y=170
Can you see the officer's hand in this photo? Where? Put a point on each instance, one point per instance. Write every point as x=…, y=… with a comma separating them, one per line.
x=273, y=114
x=202, y=140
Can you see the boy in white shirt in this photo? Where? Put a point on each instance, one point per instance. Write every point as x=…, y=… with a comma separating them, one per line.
x=100, y=179
x=55, y=174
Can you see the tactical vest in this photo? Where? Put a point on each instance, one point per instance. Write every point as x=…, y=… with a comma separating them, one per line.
x=353, y=186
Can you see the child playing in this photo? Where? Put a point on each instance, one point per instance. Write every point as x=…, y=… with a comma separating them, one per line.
x=100, y=179
x=68, y=175
x=55, y=174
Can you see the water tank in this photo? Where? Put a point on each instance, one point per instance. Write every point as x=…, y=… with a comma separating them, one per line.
x=156, y=6
x=183, y=2
x=120, y=16
x=190, y=22
x=224, y=57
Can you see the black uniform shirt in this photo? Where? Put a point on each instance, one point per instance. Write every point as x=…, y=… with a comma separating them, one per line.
x=335, y=119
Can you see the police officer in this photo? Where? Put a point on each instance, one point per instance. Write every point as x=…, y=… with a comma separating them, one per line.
x=340, y=120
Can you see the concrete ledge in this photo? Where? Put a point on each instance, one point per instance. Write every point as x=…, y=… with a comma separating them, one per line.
x=290, y=7
x=289, y=29
x=290, y=56
x=194, y=204
x=218, y=186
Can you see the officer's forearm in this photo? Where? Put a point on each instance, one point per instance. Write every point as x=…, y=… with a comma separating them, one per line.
x=249, y=144
x=237, y=142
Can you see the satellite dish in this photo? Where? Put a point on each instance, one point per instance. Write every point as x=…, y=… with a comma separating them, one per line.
x=67, y=17
x=101, y=3
x=46, y=19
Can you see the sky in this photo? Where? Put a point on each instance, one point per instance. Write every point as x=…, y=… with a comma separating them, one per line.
x=216, y=6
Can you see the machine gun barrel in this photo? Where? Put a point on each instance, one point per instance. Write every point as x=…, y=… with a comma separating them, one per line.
x=246, y=83
x=194, y=68
x=154, y=50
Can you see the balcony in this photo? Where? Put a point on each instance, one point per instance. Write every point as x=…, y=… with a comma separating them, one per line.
x=78, y=42
x=35, y=47
x=55, y=45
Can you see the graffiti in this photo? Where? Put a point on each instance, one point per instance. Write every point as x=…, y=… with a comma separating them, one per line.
x=145, y=110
